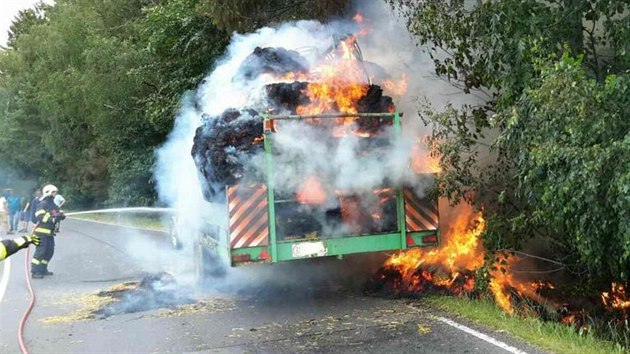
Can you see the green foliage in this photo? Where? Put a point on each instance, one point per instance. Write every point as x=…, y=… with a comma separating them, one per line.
x=183, y=44
x=248, y=15
x=569, y=137
x=88, y=90
x=544, y=151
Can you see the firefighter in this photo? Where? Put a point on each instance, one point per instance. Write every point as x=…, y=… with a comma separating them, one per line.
x=9, y=247
x=46, y=215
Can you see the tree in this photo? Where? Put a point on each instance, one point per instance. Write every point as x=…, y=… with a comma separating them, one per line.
x=569, y=138
x=499, y=51
x=248, y=15
x=89, y=89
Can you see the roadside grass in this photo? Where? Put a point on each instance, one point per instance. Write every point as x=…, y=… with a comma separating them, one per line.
x=152, y=222
x=550, y=336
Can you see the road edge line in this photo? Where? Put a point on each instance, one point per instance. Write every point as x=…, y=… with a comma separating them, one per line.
x=481, y=336
x=4, y=281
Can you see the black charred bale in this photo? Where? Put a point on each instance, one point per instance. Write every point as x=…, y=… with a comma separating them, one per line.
x=287, y=96
x=221, y=145
x=270, y=60
x=374, y=102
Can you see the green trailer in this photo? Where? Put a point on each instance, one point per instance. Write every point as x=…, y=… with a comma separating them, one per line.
x=266, y=227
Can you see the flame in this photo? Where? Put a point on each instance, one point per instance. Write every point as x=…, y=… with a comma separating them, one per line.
x=358, y=18
x=311, y=192
x=339, y=89
x=460, y=254
x=398, y=88
x=616, y=299
x=504, y=284
x=421, y=162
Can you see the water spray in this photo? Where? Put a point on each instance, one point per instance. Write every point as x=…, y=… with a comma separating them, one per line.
x=122, y=210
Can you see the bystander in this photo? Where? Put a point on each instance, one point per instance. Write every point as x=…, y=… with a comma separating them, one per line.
x=4, y=214
x=15, y=206
x=30, y=208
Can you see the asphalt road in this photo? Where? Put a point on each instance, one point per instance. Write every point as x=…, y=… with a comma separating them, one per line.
x=297, y=307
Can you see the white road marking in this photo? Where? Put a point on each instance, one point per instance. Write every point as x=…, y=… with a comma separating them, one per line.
x=4, y=282
x=481, y=336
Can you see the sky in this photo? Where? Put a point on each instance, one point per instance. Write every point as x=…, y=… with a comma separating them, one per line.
x=8, y=10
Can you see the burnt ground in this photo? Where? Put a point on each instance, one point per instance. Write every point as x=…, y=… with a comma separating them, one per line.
x=319, y=317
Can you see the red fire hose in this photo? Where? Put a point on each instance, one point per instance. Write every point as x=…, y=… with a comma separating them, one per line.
x=27, y=266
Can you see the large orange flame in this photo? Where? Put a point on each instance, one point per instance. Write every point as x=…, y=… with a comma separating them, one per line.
x=461, y=252
x=338, y=88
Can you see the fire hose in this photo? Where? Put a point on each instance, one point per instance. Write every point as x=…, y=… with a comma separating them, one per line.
x=27, y=268
x=30, y=305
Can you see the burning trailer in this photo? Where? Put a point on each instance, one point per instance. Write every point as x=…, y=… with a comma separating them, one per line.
x=267, y=225
x=316, y=168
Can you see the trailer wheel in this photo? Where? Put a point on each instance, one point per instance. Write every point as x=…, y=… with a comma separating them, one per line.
x=208, y=265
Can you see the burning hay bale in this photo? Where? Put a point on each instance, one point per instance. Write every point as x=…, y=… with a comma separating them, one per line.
x=374, y=101
x=222, y=144
x=278, y=61
x=389, y=282
x=284, y=96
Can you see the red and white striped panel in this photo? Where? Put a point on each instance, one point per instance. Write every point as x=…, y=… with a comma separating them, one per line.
x=249, y=215
x=420, y=213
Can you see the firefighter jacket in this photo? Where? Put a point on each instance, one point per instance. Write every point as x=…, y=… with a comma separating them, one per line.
x=46, y=215
x=9, y=247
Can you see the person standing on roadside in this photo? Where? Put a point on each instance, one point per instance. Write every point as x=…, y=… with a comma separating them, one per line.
x=46, y=216
x=30, y=208
x=4, y=214
x=15, y=205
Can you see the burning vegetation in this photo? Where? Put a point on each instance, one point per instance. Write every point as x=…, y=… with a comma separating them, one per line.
x=453, y=268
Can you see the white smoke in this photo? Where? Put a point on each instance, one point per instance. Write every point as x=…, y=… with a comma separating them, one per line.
x=301, y=150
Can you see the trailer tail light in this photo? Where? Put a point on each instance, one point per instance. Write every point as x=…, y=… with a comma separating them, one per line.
x=264, y=255
x=246, y=257
x=429, y=239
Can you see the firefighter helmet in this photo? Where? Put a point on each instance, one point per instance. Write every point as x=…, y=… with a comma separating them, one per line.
x=48, y=191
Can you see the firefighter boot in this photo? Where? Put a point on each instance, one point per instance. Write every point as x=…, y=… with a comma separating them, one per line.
x=44, y=269
x=37, y=270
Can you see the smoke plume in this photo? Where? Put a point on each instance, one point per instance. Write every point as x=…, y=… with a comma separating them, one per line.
x=251, y=79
